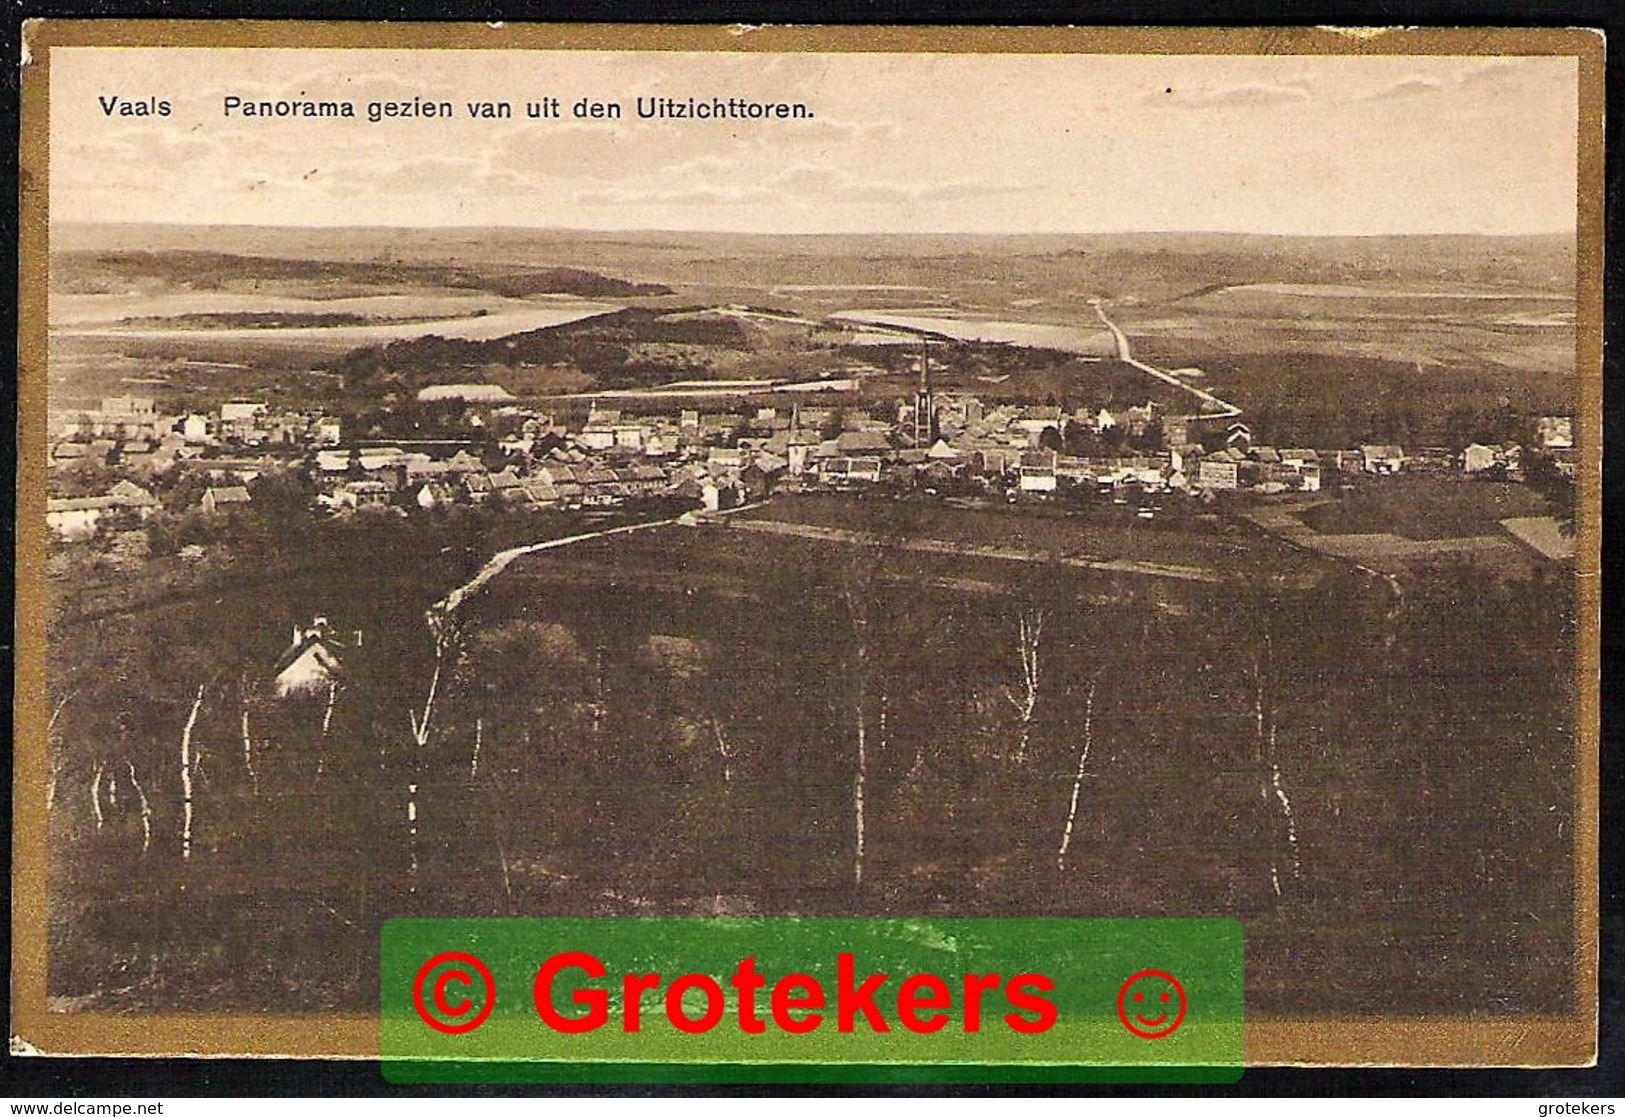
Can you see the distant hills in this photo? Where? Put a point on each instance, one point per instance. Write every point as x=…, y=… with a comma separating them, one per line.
x=354, y=243
x=198, y=268
x=519, y=261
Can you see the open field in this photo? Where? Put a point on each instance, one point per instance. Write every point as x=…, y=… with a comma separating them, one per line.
x=1067, y=339
x=1179, y=535
x=1424, y=508
x=1320, y=342
x=1339, y=364
x=1399, y=525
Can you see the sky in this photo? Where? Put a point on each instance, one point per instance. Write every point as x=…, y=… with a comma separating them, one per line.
x=899, y=143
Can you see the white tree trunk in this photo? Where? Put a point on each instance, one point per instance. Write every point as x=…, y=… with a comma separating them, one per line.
x=725, y=752
x=96, y=793
x=146, y=809
x=248, y=753
x=1258, y=710
x=858, y=606
x=420, y=735
x=474, y=761
x=1026, y=703
x=420, y=726
x=502, y=856
x=327, y=714
x=186, y=777
x=1077, y=779
x=1265, y=748
x=56, y=713
x=327, y=721
x=50, y=728
x=857, y=797
x=598, y=695
x=412, y=832
x=1291, y=820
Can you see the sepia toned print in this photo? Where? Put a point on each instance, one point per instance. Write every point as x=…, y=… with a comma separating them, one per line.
x=690, y=474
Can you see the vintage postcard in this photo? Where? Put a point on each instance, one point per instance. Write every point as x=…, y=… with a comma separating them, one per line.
x=501, y=471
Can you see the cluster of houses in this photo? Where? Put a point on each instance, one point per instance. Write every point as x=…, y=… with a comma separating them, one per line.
x=1554, y=438
x=521, y=456
x=80, y=517
x=130, y=433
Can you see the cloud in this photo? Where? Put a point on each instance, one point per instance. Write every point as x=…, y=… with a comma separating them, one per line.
x=1490, y=74
x=711, y=181
x=1243, y=95
x=1405, y=89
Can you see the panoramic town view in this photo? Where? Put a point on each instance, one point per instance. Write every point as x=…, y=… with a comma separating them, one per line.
x=421, y=569
x=539, y=589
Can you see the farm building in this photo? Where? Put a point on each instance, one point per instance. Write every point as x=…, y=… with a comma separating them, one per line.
x=1217, y=473
x=216, y=498
x=311, y=664
x=467, y=393
x=77, y=517
x=1383, y=459
x=1556, y=432
x=1477, y=458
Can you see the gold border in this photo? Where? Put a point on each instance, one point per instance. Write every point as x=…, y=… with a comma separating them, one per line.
x=1512, y=1041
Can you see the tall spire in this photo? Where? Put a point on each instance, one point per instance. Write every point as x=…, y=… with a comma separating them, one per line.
x=925, y=418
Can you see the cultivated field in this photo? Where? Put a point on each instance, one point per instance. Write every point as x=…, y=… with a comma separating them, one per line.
x=1320, y=341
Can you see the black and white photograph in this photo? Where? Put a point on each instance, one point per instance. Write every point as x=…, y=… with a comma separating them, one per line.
x=730, y=473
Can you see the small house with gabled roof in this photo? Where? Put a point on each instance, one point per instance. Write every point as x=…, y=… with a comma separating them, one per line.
x=311, y=664
x=217, y=497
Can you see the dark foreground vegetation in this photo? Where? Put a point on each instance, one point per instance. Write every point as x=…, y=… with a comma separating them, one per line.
x=686, y=722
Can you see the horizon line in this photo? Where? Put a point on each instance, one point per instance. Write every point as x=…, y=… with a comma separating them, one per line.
x=1571, y=233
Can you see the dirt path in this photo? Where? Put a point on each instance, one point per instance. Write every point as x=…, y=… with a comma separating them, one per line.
x=1223, y=409
x=500, y=561
x=973, y=550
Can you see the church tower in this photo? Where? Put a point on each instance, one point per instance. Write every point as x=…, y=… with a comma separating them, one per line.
x=925, y=410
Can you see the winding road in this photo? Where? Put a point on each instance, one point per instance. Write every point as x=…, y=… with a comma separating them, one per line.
x=500, y=561
x=1221, y=409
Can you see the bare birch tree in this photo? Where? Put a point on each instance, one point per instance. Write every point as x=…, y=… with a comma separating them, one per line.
x=96, y=793
x=724, y=751
x=1077, y=779
x=327, y=723
x=1270, y=788
x=55, y=751
x=1291, y=819
x=146, y=809
x=1030, y=635
x=187, y=764
x=856, y=595
x=248, y=740
x=443, y=631
x=862, y=773
x=56, y=713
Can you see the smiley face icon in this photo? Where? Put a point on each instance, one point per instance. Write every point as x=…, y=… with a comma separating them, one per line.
x=1151, y=1004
